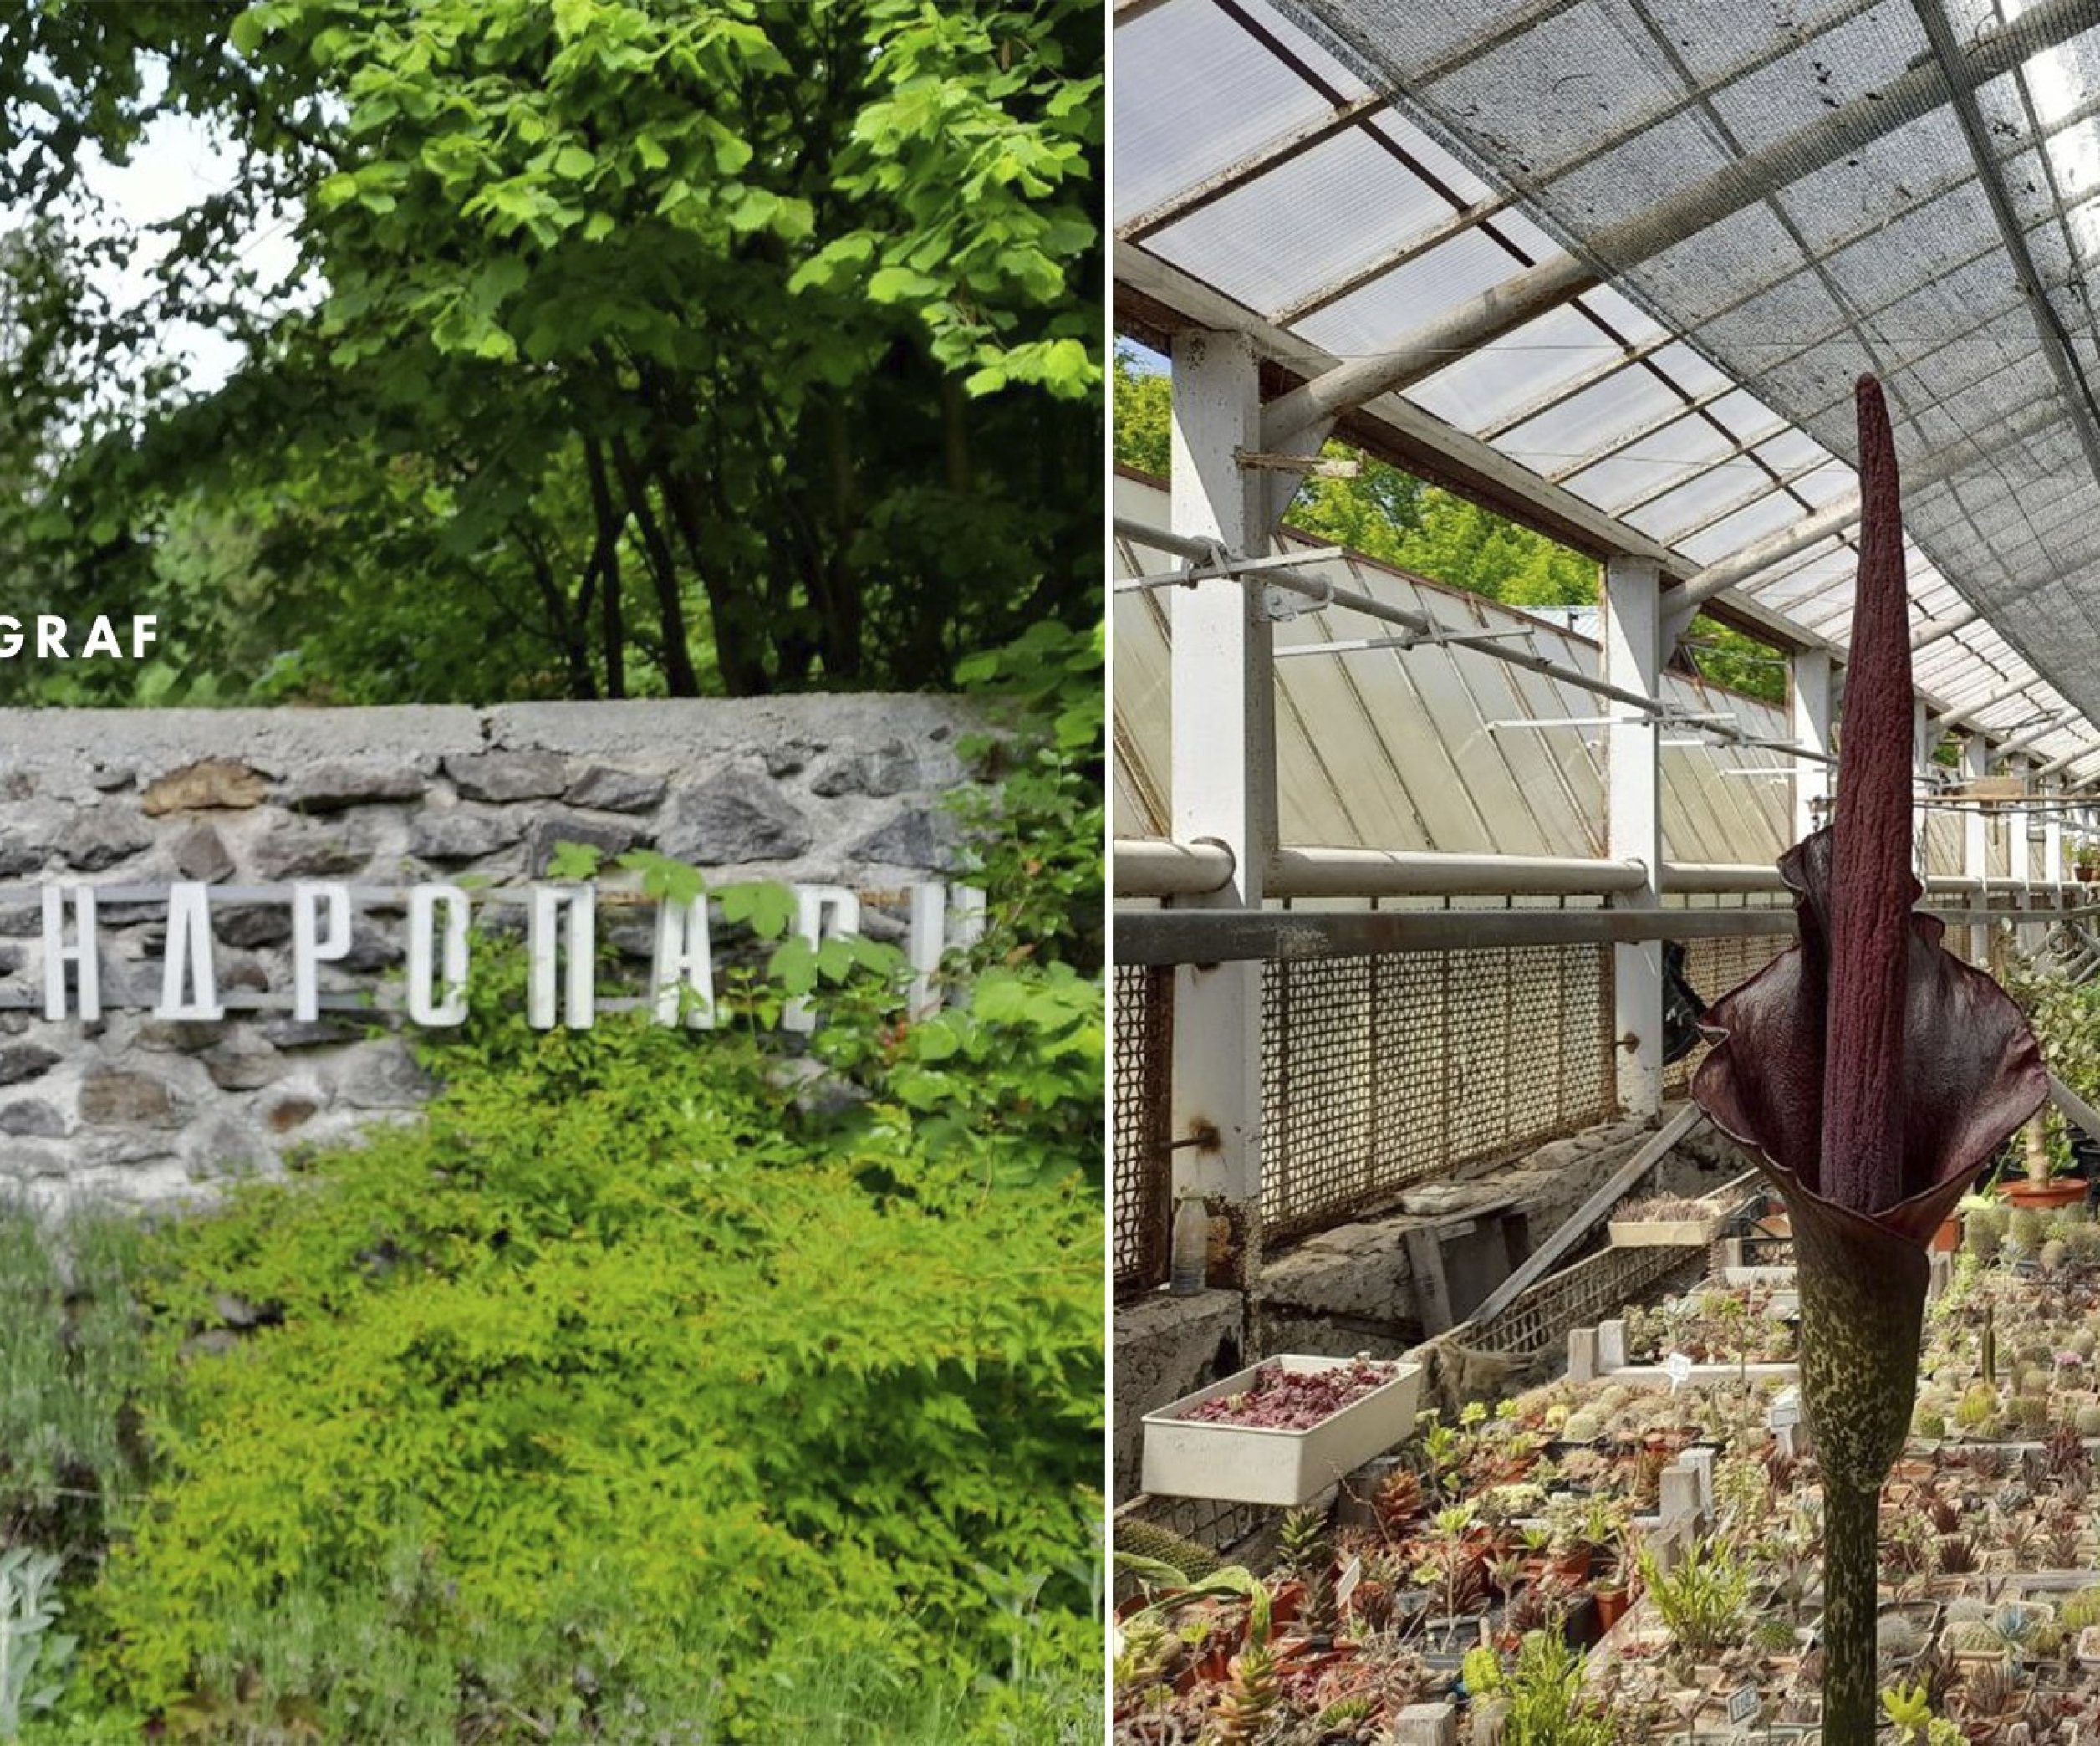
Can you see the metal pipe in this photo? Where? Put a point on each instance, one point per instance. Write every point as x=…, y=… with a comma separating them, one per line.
x=1318, y=872
x=1705, y=877
x=1153, y=867
x=1539, y=289
x=1218, y=936
x=1926, y=636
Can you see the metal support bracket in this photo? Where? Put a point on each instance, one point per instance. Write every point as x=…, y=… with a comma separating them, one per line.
x=1280, y=605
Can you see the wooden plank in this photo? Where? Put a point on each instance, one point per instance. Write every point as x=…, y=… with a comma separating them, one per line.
x=1432, y=1293
x=1585, y=1217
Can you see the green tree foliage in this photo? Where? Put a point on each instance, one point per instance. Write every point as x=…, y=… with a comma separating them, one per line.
x=1399, y=519
x=651, y=345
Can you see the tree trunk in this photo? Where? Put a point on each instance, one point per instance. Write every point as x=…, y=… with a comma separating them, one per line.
x=678, y=675
x=611, y=523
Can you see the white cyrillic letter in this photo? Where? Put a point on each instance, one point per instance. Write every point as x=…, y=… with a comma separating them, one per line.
x=189, y=943
x=309, y=948
x=82, y=955
x=967, y=925
x=450, y=1007
x=685, y=963
x=924, y=945
x=578, y=950
x=818, y=905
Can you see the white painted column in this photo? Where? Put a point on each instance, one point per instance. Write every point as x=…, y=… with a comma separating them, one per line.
x=2054, y=872
x=1224, y=771
x=1634, y=820
x=1808, y=691
x=1925, y=738
x=2018, y=862
x=1975, y=843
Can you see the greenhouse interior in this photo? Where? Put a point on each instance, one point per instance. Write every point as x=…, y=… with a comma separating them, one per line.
x=1561, y=1293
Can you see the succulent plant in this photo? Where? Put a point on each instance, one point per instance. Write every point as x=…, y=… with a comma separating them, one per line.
x=2029, y=1413
x=1929, y=1424
x=1987, y=1691
x=1243, y=1713
x=1957, y=1553
x=1583, y=1427
x=1974, y=1637
x=1897, y=1636
x=1977, y=1406
x=1162, y=1545
x=2087, y=1421
x=2024, y=1229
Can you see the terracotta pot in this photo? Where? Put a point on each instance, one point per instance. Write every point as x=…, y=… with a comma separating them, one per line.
x=1611, y=1605
x=2085, y=875
x=2042, y=1197
x=1947, y=1236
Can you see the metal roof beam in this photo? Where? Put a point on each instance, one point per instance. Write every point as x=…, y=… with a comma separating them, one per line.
x=2055, y=343
x=2020, y=742
x=1964, y=713
x=1534, y=291
x=1392, y=259
x=1844, y=512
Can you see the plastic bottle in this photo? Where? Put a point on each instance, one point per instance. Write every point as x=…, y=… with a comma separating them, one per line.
x=1191, y=1247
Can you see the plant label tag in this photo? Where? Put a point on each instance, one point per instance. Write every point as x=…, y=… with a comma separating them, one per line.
x=1678, y=1369
x=1786, y=1409
x=1742, y=1705
x=1345, y=1585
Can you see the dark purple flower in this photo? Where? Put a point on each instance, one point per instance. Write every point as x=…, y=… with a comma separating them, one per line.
x=1872, y=1074
x=1868, y=1070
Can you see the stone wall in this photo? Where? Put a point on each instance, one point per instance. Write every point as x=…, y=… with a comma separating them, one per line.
x=843, y=790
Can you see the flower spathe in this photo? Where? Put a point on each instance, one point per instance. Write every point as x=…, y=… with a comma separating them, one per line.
x=1871, y=1074
x=1968, y=1073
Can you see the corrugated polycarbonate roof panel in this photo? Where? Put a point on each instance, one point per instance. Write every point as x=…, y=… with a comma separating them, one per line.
x=1543, y=125
x=1430, y=747
x=1873, y=254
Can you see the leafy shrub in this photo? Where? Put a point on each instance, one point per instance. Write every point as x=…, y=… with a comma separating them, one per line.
x=615, y=1379
x=73, y=1373
x=1703, y=1598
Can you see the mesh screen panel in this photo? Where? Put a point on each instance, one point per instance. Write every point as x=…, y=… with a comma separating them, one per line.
x=1378, y=1072
x=1788, y=190
x=1142, y=1112
x=1580, y=1296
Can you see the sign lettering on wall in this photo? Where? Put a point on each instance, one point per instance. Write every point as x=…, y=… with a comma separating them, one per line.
x=561, y=943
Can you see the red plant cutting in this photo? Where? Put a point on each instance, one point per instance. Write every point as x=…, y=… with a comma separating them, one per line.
x=1871, y=1076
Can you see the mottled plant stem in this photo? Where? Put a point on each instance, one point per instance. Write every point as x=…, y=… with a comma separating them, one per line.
x=1863, y=1306
x=1852, y=1536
